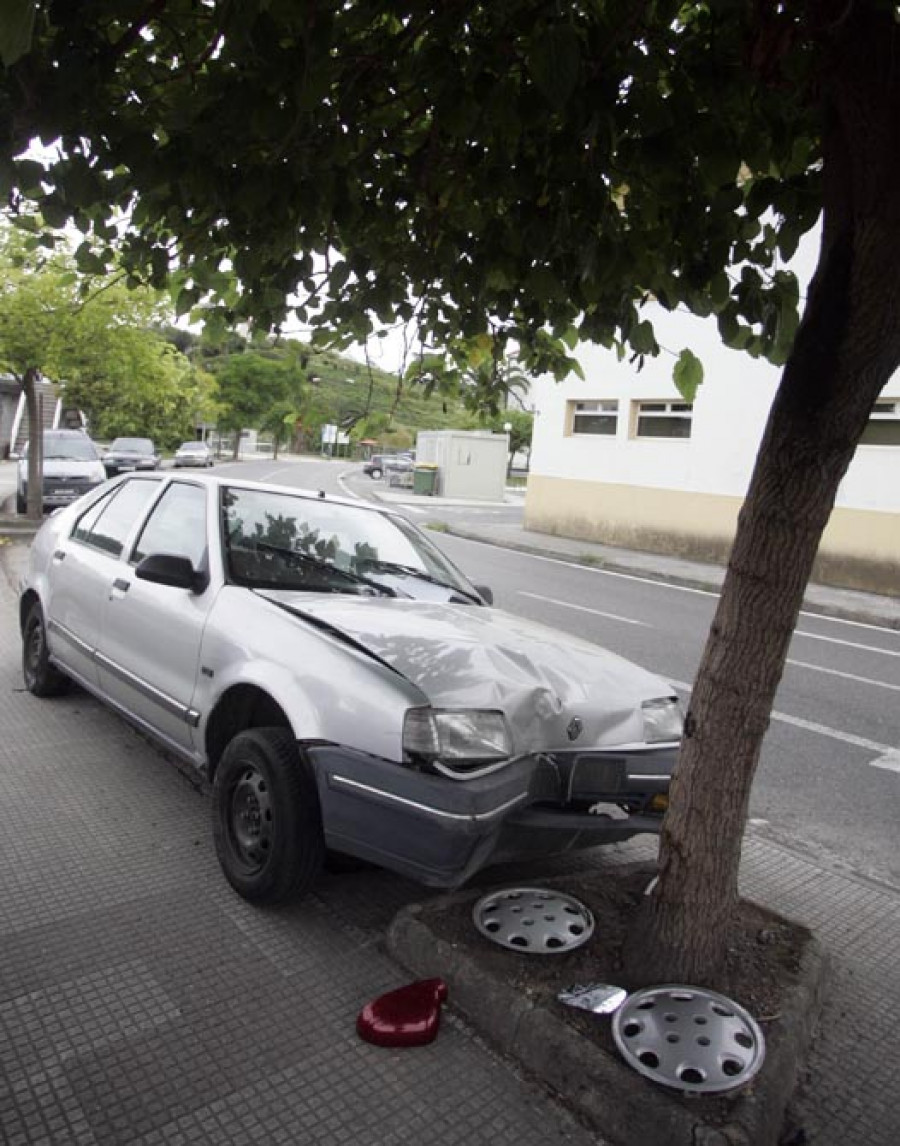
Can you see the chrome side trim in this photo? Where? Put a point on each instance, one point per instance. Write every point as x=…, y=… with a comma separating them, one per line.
x=427, y=809
x=68, y=635
x=174, y=707
x=165, y=702
x=196, y=759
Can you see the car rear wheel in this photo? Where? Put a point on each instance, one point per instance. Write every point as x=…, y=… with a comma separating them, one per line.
x=267, y=823
x=375, y=473
x=41, y=677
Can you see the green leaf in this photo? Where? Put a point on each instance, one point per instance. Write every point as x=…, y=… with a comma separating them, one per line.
x=688, y=374
x=554, y=61
x=16, y=28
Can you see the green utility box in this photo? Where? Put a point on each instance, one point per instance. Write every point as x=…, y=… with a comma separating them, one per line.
x=425, y=479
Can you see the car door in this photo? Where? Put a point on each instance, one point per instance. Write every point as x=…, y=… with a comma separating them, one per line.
x=151, y=634
x=82, y=567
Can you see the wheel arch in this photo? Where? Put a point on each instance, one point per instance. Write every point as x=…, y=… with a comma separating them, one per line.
x=240, y=707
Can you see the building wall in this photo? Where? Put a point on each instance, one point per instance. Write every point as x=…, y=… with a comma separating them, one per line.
x=682, y=495
x=471, y=463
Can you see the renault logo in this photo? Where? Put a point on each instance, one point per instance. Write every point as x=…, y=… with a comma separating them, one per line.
x=575, y=728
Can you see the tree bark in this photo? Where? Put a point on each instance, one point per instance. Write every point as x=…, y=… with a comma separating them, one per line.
x=847, y=347
x=35, y=502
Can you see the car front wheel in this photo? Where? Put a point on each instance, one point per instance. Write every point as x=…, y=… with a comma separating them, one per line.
x=375, y=474
x=267, y=823
x=41, y=677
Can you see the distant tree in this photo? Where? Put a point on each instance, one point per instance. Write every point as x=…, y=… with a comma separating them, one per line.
x=521, y=428
x=252, y=388
x=92, y=335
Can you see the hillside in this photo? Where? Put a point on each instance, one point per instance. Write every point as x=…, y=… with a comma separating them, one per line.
x=349, y=389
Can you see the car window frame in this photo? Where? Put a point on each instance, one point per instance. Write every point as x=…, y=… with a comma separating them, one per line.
x=203, y=564
x=107, y=495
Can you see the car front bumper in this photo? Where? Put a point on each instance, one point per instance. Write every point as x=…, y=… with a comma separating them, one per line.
x=440, y=831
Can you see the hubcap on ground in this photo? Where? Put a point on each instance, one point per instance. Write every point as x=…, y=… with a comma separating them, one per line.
x=251, y=818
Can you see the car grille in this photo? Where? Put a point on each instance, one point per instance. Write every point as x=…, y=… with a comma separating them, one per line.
x=54, y=484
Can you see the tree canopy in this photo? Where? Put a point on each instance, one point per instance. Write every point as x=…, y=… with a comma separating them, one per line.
x=492, y=171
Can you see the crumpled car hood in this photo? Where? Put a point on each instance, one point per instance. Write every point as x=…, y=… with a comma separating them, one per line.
x=462, y=656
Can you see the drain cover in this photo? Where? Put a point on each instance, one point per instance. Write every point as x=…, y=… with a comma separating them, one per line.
x=689, y=1038
x=534, y=920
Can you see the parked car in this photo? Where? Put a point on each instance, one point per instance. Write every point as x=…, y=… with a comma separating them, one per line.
x=193, y=454
x=342, y=684
x=125, y=454
x=71, y=467
x=374, y=466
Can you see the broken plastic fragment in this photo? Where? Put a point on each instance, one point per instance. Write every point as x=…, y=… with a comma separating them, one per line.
x=601, y=998
x=407, y=1017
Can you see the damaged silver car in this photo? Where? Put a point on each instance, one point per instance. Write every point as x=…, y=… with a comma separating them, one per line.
x=342, y=684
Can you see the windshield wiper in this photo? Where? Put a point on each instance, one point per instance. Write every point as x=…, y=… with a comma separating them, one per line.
x=421, y=575
x=320, y=563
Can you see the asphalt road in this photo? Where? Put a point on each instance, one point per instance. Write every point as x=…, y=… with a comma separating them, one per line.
x=827, y=784
x=823, y=787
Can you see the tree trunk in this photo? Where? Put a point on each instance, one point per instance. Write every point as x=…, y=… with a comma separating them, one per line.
x=235, y=455
x=847, y=347
x=35, y=503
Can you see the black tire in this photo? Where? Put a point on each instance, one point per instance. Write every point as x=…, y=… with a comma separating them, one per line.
x=267, y=823
x=41, y=677
x=375, y=474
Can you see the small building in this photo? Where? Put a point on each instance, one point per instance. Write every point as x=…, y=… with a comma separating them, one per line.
x=621, y=457
x=471, y=463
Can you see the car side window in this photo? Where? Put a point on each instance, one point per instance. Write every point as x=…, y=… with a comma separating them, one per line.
x=107, y=524
x=176, y=526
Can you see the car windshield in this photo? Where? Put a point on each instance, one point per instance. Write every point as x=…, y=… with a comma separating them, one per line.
x=132, y=445
x=191, y=447
x=287, y=541
x=76, y=448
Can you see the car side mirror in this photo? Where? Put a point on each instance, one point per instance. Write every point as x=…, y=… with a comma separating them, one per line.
x=486, y=594
x=177, y=572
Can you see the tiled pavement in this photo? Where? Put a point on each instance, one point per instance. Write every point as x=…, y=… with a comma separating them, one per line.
x=142, y=1002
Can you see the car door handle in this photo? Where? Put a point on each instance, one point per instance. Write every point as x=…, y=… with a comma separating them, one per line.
x=59, y=555
x=119, y=585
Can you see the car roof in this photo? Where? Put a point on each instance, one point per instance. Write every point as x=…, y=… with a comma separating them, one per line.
x=216, y=481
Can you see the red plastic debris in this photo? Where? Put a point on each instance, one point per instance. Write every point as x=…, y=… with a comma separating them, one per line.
x=407, y=1017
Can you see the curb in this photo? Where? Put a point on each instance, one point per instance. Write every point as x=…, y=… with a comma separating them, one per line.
x=610, y=1097
x=846, y=613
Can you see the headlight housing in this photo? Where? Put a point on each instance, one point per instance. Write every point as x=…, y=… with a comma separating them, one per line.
x=456, y=736
x=663, y=720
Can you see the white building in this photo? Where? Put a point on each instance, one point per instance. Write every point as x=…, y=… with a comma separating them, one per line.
x=621, y=458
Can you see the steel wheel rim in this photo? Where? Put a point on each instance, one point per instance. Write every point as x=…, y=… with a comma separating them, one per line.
x=251, y=819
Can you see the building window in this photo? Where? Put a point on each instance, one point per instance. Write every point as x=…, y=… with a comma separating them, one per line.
x=593, y=417
x=883, y=428
x=662, y=419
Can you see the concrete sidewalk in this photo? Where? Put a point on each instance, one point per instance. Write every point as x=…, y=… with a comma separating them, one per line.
x=141, y=1001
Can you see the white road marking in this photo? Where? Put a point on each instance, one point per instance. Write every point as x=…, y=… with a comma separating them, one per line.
x=845, y=675
x=584, y=609
x=848, y=644
x=677, y=588
x=888, y=757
